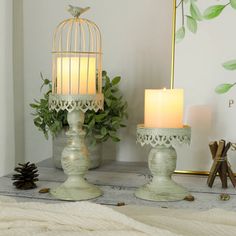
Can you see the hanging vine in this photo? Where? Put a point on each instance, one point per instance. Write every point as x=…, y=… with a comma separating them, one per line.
x=191, y=16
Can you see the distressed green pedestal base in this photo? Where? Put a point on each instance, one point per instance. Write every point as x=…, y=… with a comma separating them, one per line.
x=76, y=188
x=164, y=190
x=162, y=163
x=75, y=163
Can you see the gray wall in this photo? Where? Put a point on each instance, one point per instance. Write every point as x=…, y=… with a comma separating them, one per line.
x=136, y=45
x=7, y=146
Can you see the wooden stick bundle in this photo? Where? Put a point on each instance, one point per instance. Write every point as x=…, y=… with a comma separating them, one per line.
x=220, y=164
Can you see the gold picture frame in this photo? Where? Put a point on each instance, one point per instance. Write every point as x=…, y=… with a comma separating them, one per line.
x=173, y=82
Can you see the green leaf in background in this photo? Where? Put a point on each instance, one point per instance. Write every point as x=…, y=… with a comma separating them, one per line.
x=115, y=139
x=223, y=88
x=195, y=12
x=230, y=65
x=233, y=3
x=213, y=11
x=103, y=131
x=179, y=36
x=108, y=102
x=100, y=117
x=191, y=24
x=116, y=80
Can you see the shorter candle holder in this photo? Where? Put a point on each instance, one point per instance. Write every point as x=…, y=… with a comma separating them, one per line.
x=162, y=162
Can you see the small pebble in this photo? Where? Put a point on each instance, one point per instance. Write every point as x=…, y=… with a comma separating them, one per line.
x=44, y=190
x=189, y=198
x=224, y=197
x=120, y=204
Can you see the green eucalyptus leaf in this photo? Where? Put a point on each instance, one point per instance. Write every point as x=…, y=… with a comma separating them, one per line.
x=108, y=92
x=116, y=80
x=180, y=34
x=99, y=117
x=103, y=131
x=41, y=75
x=233, y=3
x=195, y=12
x=46, y=81
x=213, y=11
x=104, y=73
x=33, y=105
x=115, y=139
x=98, y=136
x=223, y=88
x=191, y=24
x=108, y=102
x=91, y=123
x=230, y=65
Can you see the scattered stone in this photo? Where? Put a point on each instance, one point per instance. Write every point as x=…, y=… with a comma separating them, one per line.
x=44, y=190
x=189, y=198
x=224, y=197
x=120, y=204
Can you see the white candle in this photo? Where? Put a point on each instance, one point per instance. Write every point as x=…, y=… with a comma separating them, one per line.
x=163, y=108
x=76, y=75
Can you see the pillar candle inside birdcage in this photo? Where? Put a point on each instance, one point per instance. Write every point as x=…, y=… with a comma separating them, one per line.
x=76, y=75
x=77, y=59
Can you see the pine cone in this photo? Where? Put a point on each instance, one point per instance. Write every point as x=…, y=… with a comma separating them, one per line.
x=26, y=177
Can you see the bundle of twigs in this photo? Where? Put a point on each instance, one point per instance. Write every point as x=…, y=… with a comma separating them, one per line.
x=220, y=164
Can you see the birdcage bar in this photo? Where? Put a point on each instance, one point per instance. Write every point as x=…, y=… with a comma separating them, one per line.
x=76, y=36
x=77, y=42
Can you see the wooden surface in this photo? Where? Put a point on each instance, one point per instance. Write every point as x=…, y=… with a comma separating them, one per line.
x=118, y=180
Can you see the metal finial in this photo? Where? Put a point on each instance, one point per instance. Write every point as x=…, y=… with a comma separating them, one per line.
x=77, y=11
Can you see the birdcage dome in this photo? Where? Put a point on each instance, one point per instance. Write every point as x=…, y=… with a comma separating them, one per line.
x=77, y=66
x=77, y=35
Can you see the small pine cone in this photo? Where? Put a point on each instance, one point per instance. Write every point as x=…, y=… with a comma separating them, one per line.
x=26, y=176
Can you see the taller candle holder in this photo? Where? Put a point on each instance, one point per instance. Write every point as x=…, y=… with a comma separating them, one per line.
x=76, y=88
x=162, y=162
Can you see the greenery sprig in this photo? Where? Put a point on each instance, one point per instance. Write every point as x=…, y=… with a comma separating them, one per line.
x=196, y=16
x=191, y=19
x=99, y=126
x=224, y=88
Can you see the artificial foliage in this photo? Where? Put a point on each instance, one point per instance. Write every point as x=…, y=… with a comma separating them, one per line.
x=191, y=16
x=99, y=126
x=26, y=176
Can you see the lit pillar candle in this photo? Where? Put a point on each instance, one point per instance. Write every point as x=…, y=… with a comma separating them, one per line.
x=163, y=108
x=76, y=75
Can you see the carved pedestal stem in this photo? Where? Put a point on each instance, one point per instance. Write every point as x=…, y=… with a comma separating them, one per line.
x=75, y=163
x=162, y=164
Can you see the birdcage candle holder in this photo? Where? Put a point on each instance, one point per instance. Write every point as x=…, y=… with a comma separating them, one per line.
x=76, y=87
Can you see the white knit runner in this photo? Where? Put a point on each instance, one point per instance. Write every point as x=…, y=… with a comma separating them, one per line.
x=89, y=219
x=79, y=218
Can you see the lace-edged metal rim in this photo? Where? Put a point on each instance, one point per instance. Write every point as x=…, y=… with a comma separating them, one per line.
x=163, y=136
x=79, y=102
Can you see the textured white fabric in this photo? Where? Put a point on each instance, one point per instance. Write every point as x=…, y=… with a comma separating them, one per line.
x=69, y=219
x=89, y=219
x=217, y=222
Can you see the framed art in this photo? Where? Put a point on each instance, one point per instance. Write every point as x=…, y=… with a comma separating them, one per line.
x=204, y=65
